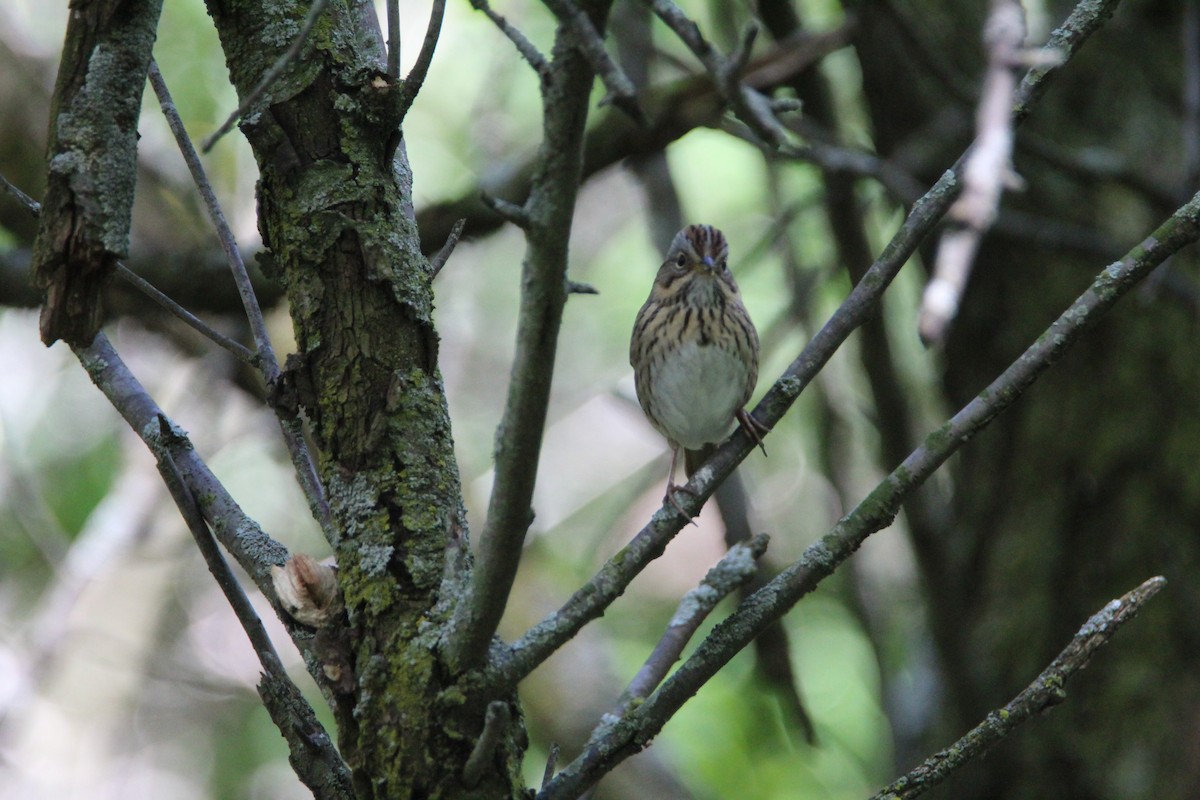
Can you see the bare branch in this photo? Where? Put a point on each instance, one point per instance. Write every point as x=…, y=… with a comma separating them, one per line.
x=393, y=41
x=750, y=106
x=34, y=206
x=236, y=349
x=1044, y=693
x=1087, y=17
x=312, y=753
x=525, y=47
x=495, y=722
x=550, y=208
x=987, y=172
x=416, y=76
x=270, y=76
x=589, y=602
x=878, y=509
x=87, y=206
x=736, y=568
x=439, y=259
x=254, y=551
x=621, y=92
x=293, y=434
x=673, y=110
x=516, y=214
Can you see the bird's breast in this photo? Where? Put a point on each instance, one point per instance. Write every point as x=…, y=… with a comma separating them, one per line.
x=698, y=388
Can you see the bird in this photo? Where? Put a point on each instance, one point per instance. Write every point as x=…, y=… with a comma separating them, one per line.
x=694, y=352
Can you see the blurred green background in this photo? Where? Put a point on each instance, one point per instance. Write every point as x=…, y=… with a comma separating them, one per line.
x=123, y=674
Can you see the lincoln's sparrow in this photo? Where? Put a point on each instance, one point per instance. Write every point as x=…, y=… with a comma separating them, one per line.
x=694, y=350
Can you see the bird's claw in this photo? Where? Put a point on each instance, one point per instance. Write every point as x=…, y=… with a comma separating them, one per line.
x=669, y=497
x=755, y=429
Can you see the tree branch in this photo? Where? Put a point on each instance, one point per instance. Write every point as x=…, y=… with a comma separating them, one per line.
x=748, y=104
x=735, y=569
x=672, y=111
x=986, y=174
x=550, y=208
x=521, y=657
x=525, y=47
x=311, y=751
x=87, y=207
x=254, y=551
x=621, y=92
x=416, y=76
x=236, y=349
x=1046, y=691
x=879, y=508
x=290, y=425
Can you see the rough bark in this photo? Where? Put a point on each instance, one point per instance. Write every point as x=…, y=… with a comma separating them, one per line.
x=92, y=150
x=335, y=213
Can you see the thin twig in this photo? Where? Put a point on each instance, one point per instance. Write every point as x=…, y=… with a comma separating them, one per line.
x=516, y=214
x=878, y=509
x=235, y=348
x=749, y=105
x=416, y=76
x=526, y=48
x=735, y=569
x=254, y=551
x=393, y=42
x=439, y=259
x=233, y=256
x=551, y=763
x=34, y=206
x=316, y=760
x=987, y=172
x=1046, y=691
x=675, y=109
x=306, y=471
x=517, y=660
x=270, y=76
x=621, y=92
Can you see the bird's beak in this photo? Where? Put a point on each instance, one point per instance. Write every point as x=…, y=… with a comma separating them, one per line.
x=708, y=262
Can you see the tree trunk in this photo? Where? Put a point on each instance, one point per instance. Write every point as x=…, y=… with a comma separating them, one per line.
x=336, y=215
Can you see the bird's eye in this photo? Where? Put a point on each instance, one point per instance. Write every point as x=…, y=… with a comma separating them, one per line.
x=681, y=260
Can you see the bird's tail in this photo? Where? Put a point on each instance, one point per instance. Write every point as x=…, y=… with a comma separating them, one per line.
x=692, y=459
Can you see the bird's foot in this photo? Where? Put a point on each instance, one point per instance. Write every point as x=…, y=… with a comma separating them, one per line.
x=670, y=497
x=753, y=427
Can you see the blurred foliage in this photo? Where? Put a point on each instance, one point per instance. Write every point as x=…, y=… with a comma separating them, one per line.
x=862, y=645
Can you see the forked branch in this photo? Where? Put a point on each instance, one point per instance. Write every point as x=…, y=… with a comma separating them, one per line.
x=879, y=508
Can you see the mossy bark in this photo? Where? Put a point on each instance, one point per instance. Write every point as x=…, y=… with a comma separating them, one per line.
x=335, y=215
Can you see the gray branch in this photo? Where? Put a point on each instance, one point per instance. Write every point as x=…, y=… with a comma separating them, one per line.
x=589, y=602
x=254, y=551
x=268, y=365
x=270, y=77
x=311, y=752
x=879, y=508
x=549, y=212
x=735, y=569
x=1043, y=694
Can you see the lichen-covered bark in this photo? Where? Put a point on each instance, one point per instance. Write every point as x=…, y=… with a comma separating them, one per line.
x=335, y=215
x=92, y=150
